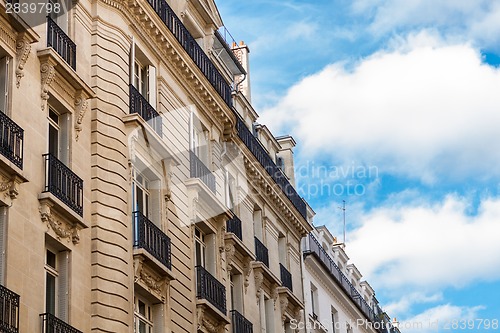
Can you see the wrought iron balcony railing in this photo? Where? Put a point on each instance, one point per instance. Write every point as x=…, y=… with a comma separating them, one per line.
x=11, y=140
x=198, y=169
x=261, y=253
x=319, y=252
x=52, y=324
x=63, y=183
x=234, y=225
x=140, y=105
x=240, y=323
x=9, y=311
x=209, y=288
x=274, y=171
x=149, y=237
x=61, y=43
x=193, y=49
x=286, y=277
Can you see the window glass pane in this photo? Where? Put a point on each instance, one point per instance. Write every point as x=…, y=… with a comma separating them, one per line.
x=139, y=203
x=142, y=327
x=51, y=259
x=50, y=294
x=142, y=308
x=53, y=140
x=198, y=254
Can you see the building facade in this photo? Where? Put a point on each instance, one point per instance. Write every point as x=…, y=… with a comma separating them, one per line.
x=139, y=195
x=336, y=299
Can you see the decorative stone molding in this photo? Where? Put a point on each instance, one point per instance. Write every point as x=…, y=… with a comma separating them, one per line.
x=230, y=249
x=10, y=189
x=81, y=105
x=23, y=49
x=61, y=228
x=259, y=279
x=283, y=306
x=207, y=325
x=154, y=283
x=47, y=71
x=247, y=270
x=275, y=294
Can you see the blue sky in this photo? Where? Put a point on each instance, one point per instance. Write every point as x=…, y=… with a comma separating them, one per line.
x=395, y=106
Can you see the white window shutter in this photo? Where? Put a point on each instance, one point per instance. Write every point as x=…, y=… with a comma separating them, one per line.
x=3, y=232
x=63, y=286
x=64, y=138
x=191, y=132
x=4, y=83
x=152, y=85
x=132, y=61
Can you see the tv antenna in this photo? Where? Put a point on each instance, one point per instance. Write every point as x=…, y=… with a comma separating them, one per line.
x=343, y=212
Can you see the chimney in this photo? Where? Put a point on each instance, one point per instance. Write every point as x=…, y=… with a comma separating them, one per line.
x=241, y=52
x=285, y=155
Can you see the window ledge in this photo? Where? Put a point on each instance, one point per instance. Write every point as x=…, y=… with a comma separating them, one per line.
x=200, y=194
x=266, y=273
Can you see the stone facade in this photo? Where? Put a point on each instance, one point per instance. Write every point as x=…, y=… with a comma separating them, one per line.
x=136, y=196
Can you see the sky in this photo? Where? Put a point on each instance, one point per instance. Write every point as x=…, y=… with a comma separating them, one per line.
x=395, y=107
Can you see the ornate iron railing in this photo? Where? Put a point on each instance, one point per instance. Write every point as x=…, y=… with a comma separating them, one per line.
x=240, y=323
x=140, y=105
x=63, y=183
x=52, y=324
x=192, y=48
x=234, y=225
x=11, y=140
x=266, y=161
x=198, y=169
x=61, y=43
x=319, y=252
x=149, y=237
x=9, y=310
x=261, y=252
x=209, y=288
x=286, y=277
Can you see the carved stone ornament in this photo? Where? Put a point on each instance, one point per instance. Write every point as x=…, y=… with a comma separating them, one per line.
x=259, y=279
x=156, y=284
x=62, y=229
x=23, y=49
x=230, y=249
x=283, y=306
x=81, y=105
x=47, y=71
x=247, y=270
x=10, y=189
x=275, y=294
x=207, y=325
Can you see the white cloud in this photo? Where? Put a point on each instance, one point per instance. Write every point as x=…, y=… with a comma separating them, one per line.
x=426, y=109
x=440, y=318
x=427, y=247
x=402, y=306
x=472, y=20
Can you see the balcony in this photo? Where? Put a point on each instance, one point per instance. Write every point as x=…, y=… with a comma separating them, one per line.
x=140, y=105
x=261, y=252
x=61, y=43
x=209, y=288
x=192, y=48
x=9, y=311
x=240, y=323
x=149, y=237
x=267, y=163
x=234, y=225
x=199, y=170
x=63, y=183
x=286, y=277
x=52, y=324
x=329, y=265
x=11, y=140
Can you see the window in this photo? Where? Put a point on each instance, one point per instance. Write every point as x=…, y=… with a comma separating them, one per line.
x=199, y=139
x=257, y=223
x=61, y=16
x=140, y=192
x=282, y=250
x=3, y=230
x=314, y=302
x=143, y=316
x=335, y=320
x=4, y=83
x=270, y=315
x=200, y=247
x=236, y=292
x=58, y=135
x=56, y=283
x=143, y=75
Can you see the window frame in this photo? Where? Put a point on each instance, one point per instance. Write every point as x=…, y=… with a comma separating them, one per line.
x=138, y=316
